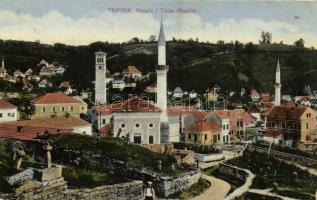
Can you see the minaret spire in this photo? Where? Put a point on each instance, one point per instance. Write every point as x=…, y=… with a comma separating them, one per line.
x=2, y=62
x=278, y=85
x=161, y=72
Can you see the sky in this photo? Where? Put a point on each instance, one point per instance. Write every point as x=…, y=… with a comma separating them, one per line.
x=80, y=22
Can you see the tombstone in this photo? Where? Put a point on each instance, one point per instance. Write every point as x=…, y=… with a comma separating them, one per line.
x=18, y=155
x=48, y=149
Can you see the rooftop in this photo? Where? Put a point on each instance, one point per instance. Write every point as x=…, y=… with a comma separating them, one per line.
x=287, y=112
x=6, y=105
x=55, y=98
x=131, y=70
x=203, y=126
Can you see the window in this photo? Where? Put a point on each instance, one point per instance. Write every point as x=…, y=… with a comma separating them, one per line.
x=306, y=125
x=71, y=108
x=227, y=126
x=1, y=115
x=137, y=125
x=54, y=109
x=223, y=127
x=151, y=125
x=103, y=121
x=63, y=109
x=122, y=125
x=82, y=108
x=205, y=137
x=189, y=136
x=43, y=109
x=218, y=136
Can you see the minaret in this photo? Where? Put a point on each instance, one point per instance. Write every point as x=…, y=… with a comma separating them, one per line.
x=100, y=81
x=3, y=62
x=278, y=85
x=161, y=71
x=3, y=71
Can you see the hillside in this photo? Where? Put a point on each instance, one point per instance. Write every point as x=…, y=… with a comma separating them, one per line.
x=193, y=65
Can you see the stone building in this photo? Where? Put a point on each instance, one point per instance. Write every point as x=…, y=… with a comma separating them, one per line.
x=290, y=125
x=137, y=120
x=8, y=111
x=57, y=104
x=203, y=133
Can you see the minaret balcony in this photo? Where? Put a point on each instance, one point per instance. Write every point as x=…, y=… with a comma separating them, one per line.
x=161, y=67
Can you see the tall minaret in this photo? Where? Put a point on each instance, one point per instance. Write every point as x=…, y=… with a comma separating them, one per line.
x=161, y=71
x=100, y=81
x=278, y=85
x=2, y=62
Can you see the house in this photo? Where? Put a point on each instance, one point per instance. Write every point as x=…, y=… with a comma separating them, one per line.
x=45, y=71
x=8, y=112
x=45, y=83
x=66, y=87
x=221, y=117
x=31, y=129
x=10, y=78
x=254, y=95
x=132, y=71
x=150, y=89
x=57, y=68
x=57, y=104
x=36, y=78
x=118, y=84
x=17, y=73
x=178, y=93
x=26, y=85
x=42, y=63
x=192, y=94
x=212, y=95
x=265, y=97
x=290, y=125
x=203, y=133
x=28, y=72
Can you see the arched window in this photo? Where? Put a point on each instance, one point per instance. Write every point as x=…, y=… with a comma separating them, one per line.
x=151, y=139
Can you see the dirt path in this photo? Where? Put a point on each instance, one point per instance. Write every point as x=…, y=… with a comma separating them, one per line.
x=217, y=191
x=245, y=187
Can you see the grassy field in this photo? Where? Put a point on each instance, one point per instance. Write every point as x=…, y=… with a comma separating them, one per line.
x=115, y=148
x=285, y=179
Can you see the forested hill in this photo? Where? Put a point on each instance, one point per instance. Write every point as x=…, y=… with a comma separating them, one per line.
x=193, y=65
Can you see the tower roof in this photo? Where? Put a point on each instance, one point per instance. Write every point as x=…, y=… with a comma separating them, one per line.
x=278, y=66
x=161, y=40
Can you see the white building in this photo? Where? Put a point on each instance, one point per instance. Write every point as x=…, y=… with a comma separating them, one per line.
x=278, y=84
x=118, y=84
x=8, y=111
x=222, y=118
x=178, y=92
x=100, y=80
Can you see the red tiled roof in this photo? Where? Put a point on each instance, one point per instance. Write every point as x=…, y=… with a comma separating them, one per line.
x=9, y=130
x=178, y=110
x=55, y=98
x=199, y=115
x=135, y=104
x=203, y=126
x=287, y=112
x=60, y=122
x=6, y=105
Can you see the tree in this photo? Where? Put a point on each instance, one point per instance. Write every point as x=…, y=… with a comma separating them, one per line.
x=152, y=38
x=134, y=40
x=266, y=38
x=299, y=43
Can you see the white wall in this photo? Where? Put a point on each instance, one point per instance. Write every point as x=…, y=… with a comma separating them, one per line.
x=8, y=115
x=141, y=118
x=84, y=130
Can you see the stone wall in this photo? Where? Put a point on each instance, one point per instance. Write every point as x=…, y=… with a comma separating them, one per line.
x=131, y=190
x=209, y=157
x=286, y=156
x=97, y=161
x=21, y=177
x=233, y=171
x=166, y=186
